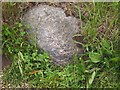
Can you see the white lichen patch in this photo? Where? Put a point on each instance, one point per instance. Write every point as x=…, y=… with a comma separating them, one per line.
x=53, y=31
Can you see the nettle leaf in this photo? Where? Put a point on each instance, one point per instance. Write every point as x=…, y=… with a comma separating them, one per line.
x=95, y=57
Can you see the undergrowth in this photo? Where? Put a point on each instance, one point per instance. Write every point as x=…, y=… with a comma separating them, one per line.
x=98, y=67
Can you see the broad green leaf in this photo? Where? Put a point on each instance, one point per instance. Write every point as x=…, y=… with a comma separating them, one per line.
x=95, y=57
x=20, y=68
x=105, y=44
x=92, y=78
x=116, y=59
x=21, y=56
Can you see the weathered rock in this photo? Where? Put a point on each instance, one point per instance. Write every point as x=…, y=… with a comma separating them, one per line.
x=53, y=31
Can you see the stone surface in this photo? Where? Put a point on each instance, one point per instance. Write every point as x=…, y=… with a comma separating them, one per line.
x=53, y=32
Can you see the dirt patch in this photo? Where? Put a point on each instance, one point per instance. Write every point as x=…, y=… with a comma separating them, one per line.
x=14, y=11
x=5, y=62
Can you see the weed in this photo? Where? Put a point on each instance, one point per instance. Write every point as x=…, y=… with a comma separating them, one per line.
x=101, y=47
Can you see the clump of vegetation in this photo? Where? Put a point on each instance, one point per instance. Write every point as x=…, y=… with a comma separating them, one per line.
x=97, y=67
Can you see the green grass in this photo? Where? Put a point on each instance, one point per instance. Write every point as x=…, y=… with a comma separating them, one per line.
x=98, y=67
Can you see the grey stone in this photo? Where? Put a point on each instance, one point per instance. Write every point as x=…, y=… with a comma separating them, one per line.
x=53, y=31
